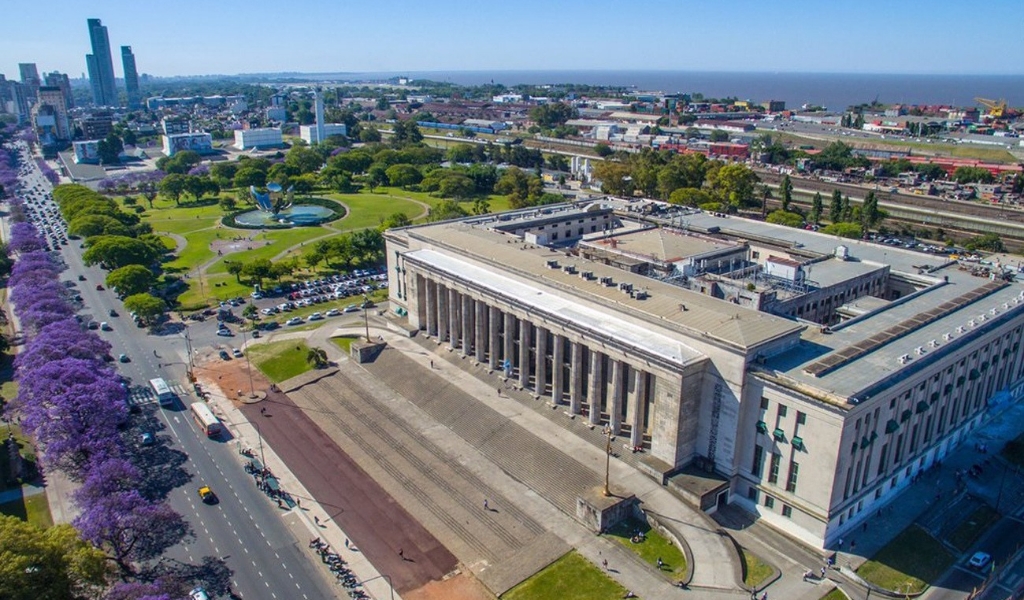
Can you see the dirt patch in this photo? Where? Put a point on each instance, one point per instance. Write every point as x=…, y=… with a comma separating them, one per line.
x=459, y=587
x=228, y=375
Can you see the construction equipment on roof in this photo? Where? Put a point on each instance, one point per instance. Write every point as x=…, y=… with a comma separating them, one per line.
x=996, y=108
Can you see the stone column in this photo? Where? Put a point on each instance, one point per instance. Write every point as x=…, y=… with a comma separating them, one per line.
x=467, y=324
x=576, y=378
x=615, y=404
x=558, y=369
x=494, y=337
x=430, y=292
x=525, y=338
x=480, y=324
x=595, y=385
x=442, y=313
x=453, y=319
x=637, y=436
x=540, y=372
x=510, y=346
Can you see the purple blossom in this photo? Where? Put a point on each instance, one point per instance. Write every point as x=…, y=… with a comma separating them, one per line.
x=134, y=590
x=61, y=339
x=25, y=238
x=199, y=170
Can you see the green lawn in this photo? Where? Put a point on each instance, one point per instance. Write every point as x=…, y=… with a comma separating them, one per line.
x=835, y=594
x=345, y=342
x=279, y=360
x=280, y=240
x=913, y=559
x=368, y=210
x=973, y=526
x=33, y=509
x=653, y=547
x=756, y=571
x=571, y=577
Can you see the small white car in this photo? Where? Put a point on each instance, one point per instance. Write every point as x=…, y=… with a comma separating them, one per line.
x=315, y=317
x=979, y=560
x=294, y=321
x=333, y=312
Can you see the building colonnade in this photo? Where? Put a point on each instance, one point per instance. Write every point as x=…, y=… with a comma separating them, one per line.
x=560, y=365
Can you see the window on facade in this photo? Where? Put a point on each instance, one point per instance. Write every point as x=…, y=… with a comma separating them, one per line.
x=769, y=502
x=782, y=410
x=801, y=418
x=752, y=493
x=773, y=468
x=787, y=511
x=794, y=471
x=764, y=403
x=758, y=464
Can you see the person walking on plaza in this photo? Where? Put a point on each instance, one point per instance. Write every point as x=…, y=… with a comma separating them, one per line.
x=486, y=506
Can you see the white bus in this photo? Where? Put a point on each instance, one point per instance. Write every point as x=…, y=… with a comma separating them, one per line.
x=162, y=390
x=205, y=419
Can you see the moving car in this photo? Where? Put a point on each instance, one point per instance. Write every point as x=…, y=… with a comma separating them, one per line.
x=294, y=321
x=236, y=353
x=316, y=317
x=147, y=438
x=207, y=495
x=198, y=593
x=224, y=355
x=225, y=333
x=105, y=326
x=112, y=313
x=980, y=560
x=123, y=358
x=333, y=312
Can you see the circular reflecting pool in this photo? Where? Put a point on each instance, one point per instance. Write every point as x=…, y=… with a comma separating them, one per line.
x=300, y=214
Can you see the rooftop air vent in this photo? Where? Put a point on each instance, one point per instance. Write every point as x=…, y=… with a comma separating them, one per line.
x=920, y=350
x=641, y=295
x=961, y=328
x=933, y=344
x=904, y=359
x=947, y=336
x=552, y=264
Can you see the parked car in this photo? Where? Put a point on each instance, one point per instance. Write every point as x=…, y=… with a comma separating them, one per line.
x=224, y=355
x=236, y=353
x=333, y=312
x=225, y=333
x=294, y=321
x=147, y=438
x=979, y=560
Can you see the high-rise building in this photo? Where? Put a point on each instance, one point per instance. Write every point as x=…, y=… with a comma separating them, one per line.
x=319, y=116
x=14, y=99
x=60, y=80
x=50, y=117
x=131, y=78
x=101, y=66
x=30, y=79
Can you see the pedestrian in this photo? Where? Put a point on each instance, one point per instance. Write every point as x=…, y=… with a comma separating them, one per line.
x=431, y=364
x=840, y=544
x=764, y=596
x=499, y=391
x=853, y=545
x=661, y=563
x=823, y=572
x=604, y=563
x=401, y=554
x=316, y=519
x=346, y=542
x=263, y=410
x=486, y=507
x=298, y=503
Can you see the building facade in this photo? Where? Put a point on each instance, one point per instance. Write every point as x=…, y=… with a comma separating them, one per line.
x=180, y=142
x=810, y=427
x=265, y=137
x=311, y=134
x=60, y=80
x=30, y=79
x=131, y=78
x=51, y=117
x=101, y=66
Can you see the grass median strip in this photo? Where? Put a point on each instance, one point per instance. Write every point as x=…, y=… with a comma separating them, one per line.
x=571, y=577
x=907, y=564
x=652, y=547
x=280, y=360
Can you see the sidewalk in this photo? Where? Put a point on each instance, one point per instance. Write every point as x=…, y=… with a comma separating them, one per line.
x=245, y=435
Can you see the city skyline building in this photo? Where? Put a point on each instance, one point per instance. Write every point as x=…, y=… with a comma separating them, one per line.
x=101, y=65
x=50, y=117
x=30, y=79
x=61, y=80
x=319, y=104
x=131, y=78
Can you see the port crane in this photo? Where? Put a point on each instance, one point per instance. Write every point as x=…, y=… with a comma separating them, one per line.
x=996, y=108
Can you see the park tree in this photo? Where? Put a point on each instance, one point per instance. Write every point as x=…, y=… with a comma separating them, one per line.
x=114, y=252
x=173, y=186
x=397, y=219
x=689, y=196
x=227, y=203
x=682, y=171
x=404, y=175
x=130, y=280
x=786, y=192
x=257, y=270
x=835, y=207
x=732, y=185
x=816, y=208
x=88, y=225
x=304, y=184
x=250, y=176
x=376, y=176
x=963, y=175
x=355, y=161
x=445, y=210
x=869, y=213
x=369, y=135
x=317, y=358
x=718, y=135
x=847, y=230
x=549, y=116
x=234, y=268
x=146, y=306
x=615, y=177
x=603, y=150
x=110, y=148
x=47, y=563
x=303, y=159
x=789, y=219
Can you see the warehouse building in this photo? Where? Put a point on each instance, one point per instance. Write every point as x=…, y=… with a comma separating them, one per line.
x=804, y=379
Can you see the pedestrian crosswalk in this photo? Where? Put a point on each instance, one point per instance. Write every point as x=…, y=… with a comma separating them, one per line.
x=141, y=396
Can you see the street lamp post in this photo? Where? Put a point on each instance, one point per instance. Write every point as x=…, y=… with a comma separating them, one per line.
x=607, y=461
x=248, y=365
x=366, y=317
x=259, y=436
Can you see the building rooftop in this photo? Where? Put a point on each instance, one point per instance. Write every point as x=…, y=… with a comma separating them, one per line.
x=662, y=244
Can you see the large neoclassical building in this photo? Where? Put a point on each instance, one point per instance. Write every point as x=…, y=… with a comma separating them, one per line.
x=813, y=376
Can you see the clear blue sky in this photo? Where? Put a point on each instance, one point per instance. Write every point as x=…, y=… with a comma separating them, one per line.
x=192, y=37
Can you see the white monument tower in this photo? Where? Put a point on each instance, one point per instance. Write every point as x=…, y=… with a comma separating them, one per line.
x=319, y=102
